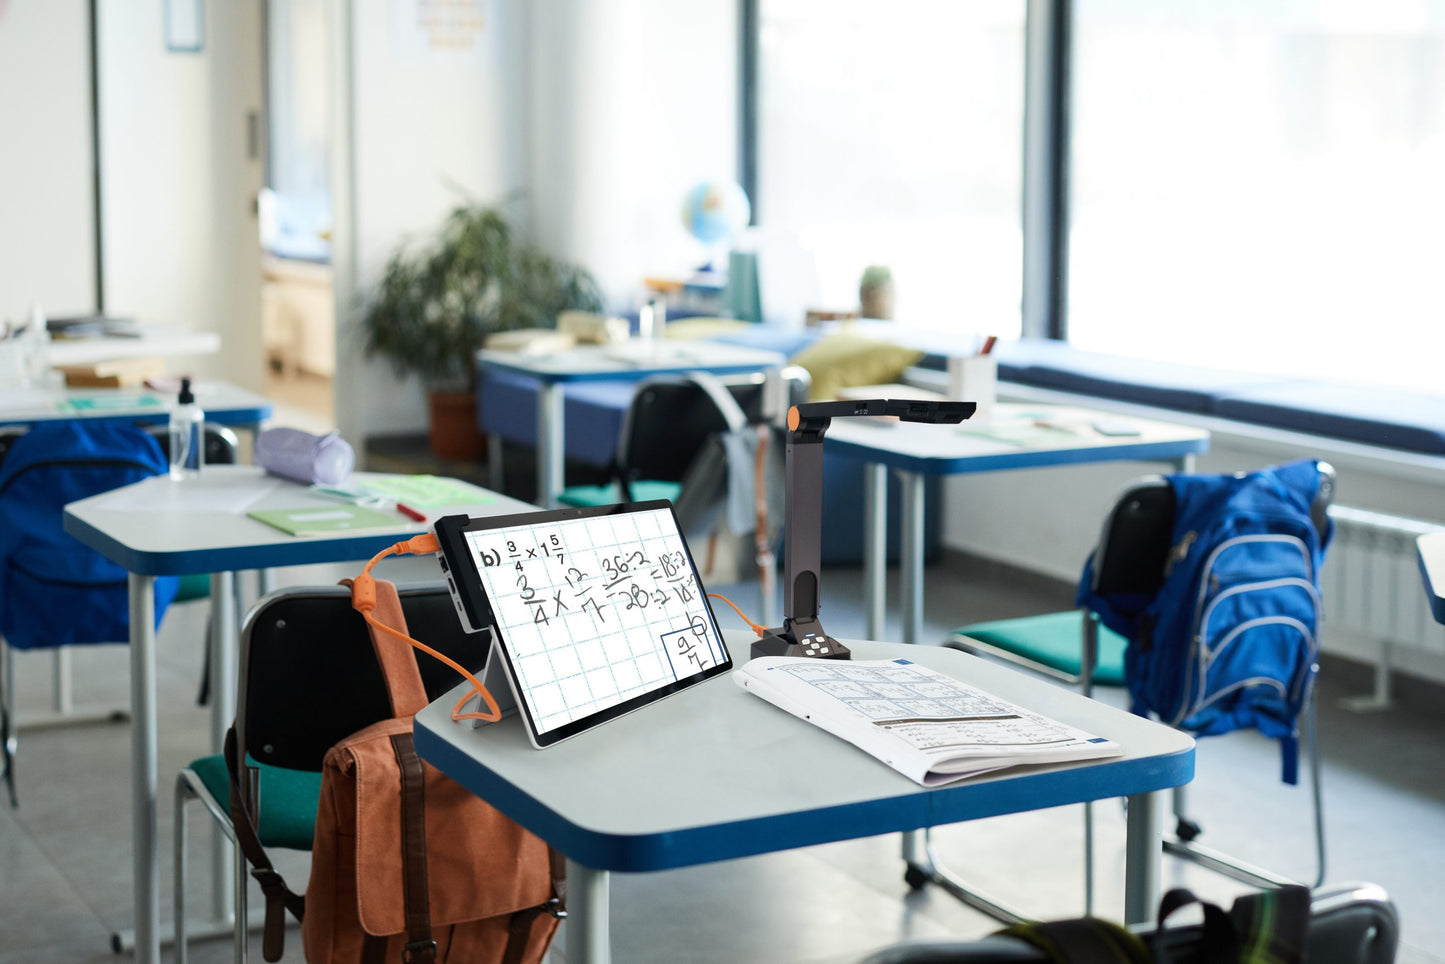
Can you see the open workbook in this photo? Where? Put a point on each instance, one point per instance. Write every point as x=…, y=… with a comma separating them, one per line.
x=930, y=727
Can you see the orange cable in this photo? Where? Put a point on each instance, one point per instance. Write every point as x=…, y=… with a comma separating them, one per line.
x=363, y=599
x=760, y=630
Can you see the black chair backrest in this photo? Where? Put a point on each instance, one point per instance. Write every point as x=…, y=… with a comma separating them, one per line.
x=311, y=677
x=670, y=419
x=1349, y=924
x=1137, y=537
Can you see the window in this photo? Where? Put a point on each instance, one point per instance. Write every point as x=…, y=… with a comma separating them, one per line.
x=1261, y=186
x=893, y=135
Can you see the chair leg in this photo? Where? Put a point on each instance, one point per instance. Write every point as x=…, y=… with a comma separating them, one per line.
x=183, y=796
x=1312, y=734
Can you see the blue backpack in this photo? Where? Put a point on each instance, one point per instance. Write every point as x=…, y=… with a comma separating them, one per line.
x=54, y=590
x=1230, y=639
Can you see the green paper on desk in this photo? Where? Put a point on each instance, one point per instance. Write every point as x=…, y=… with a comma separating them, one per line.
x=425, y=491
x=321, y=520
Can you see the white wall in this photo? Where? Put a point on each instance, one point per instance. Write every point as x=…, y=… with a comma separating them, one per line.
x=47, y=236
x=178, y=187
x=425, y=135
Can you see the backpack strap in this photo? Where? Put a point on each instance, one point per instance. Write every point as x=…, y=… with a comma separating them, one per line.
x=1083, y=940
x=398, y=663
x=421, y=948
x=279, y=897
x=519, y=929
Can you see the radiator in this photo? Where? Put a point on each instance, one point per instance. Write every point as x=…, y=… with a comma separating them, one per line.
x=1372, y=588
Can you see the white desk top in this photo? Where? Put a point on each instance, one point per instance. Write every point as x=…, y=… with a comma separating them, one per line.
x=1014, y=436
x=606, y=363
x=163, y=527
x=714, y=772
x=152, y=343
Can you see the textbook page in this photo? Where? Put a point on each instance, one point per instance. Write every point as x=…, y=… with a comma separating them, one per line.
x=930, y=727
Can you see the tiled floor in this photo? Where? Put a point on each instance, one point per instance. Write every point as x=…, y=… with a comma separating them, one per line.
x=65, y=865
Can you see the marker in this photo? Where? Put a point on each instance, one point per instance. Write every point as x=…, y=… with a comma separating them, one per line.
x=410, y=513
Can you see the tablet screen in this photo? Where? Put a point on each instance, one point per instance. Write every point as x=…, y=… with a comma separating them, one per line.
x=598, y=611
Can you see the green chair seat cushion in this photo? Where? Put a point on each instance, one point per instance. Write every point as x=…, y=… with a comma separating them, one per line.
x=288, y=800
x=1055, y=640
x=197, y=585
x=642, y=491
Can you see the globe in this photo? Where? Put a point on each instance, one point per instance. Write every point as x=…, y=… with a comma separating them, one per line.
x=716, y=211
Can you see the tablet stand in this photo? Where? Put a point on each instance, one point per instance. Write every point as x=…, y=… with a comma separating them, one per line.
x=498, y=682
x=801, y=633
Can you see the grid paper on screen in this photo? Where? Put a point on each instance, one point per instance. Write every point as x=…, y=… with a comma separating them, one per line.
x=595, y=611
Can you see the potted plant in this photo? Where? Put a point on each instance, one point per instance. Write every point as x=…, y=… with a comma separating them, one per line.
x=436, y=304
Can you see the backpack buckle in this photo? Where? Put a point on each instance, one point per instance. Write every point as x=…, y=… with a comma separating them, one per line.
x=427, y=947
x=555, y=907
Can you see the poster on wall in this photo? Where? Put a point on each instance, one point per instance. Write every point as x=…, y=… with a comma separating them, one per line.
x=434, y=33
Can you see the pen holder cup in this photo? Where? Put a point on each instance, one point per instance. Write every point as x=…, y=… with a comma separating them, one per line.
x=974, y=378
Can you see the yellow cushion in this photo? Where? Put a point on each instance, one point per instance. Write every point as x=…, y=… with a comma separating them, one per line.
x=690, y=328
x=842, y=360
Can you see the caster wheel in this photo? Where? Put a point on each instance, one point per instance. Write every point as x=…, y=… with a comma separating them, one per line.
x=916, y=878
x=1188, y=829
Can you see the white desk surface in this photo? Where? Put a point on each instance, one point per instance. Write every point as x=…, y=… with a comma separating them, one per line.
x=152, y=343
x=714, y=772
x=594, y=363
x=164, y=527
x=1431, y=550
x=221, y=401
x=1010, y=439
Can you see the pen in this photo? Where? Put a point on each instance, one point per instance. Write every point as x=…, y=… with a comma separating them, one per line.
x=988, y=344
x=410, y=513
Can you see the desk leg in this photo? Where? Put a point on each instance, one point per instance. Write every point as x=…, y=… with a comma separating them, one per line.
x=911, y=555
x=223, y=711
x=588, y=940
x=550, y=450
x=875, y=547
x=143, y=767
x=1143, y=857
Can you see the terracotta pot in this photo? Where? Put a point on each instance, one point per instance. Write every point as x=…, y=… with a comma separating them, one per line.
x=453, y=431
x=877, y=300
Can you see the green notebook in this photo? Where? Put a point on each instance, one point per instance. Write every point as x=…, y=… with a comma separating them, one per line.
x=325, y=520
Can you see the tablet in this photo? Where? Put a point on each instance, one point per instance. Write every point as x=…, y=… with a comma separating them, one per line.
x=597, y=611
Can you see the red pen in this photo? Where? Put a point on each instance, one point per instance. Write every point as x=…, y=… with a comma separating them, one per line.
x=410, y=513
x=988, y=344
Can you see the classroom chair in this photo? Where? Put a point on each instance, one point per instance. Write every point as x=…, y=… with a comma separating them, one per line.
x=1074, y=647
x=1349, y=924
x=308, y=678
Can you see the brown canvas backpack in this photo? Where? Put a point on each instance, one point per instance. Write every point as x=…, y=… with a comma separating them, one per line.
x=406, y=864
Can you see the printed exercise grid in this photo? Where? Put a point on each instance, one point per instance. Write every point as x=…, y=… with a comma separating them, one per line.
x=595, y=611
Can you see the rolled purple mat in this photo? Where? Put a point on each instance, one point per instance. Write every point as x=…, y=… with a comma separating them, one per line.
x=299, y=455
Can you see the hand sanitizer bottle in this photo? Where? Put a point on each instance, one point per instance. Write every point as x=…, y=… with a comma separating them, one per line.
x=187, y=435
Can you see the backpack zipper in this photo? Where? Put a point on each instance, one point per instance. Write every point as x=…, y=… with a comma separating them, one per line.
x=1179, y=551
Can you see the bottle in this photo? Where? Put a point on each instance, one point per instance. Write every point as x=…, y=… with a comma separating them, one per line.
x=187, y=435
